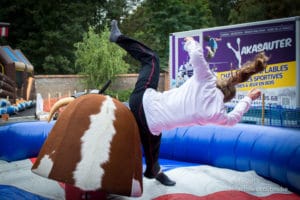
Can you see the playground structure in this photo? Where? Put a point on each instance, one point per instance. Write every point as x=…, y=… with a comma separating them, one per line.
x=17, y=88
x=16, y=75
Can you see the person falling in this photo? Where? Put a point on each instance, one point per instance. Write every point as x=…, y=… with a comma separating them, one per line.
x=199, y=101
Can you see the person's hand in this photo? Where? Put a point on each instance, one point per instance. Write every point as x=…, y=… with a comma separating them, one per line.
x=254, y=93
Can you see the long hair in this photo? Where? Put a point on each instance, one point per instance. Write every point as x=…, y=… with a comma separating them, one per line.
x=227, y=86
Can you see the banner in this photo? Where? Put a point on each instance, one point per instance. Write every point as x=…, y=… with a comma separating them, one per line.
x=227, y=48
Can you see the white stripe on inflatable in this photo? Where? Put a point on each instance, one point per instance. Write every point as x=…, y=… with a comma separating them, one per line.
x=136, y=188
x=204, y=180
x=19, y=174
x=95, y=147
x=197, y=180
x=44, y=167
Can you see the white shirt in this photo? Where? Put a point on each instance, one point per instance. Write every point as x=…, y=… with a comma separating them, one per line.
x=197, y=102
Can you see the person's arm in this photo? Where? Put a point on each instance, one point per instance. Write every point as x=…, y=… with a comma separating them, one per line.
x=233, y=117
x=200, y=66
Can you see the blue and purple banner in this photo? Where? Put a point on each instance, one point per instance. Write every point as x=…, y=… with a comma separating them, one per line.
x=228, y=48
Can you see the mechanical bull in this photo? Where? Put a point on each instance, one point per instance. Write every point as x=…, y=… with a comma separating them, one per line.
x=94, y=146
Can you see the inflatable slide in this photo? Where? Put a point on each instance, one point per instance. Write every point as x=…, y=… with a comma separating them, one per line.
x=16, y=81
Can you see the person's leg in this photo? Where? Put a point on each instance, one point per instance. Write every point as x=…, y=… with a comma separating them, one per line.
x=149, y=72
x=150, y=69
x=148, y=78
x=151, y=145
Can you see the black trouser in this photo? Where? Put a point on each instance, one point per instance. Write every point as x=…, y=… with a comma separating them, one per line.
x=148, y=78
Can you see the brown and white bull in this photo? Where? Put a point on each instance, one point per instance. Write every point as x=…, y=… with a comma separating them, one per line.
x=94, y=145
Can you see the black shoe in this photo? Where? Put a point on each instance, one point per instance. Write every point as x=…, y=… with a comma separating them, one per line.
x=164, y=179
x=114, y=32
x=150, y=176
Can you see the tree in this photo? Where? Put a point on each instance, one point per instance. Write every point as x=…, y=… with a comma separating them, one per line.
x=154, y=20
x=256, y=10
x=99, y=59
x=46, y=31
x=220, y=11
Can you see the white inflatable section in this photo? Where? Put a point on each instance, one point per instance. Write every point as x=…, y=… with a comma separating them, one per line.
x=19, y=174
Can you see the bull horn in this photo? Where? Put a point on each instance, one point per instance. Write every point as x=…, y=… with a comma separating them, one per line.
x=58, y=104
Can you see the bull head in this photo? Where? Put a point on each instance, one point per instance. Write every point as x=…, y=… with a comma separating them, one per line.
x=94, y=145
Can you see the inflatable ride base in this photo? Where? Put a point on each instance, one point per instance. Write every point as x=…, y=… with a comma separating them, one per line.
x=210, y=162
x=194, y=182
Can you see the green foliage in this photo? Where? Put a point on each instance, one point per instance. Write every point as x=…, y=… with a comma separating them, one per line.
x=256, y=10
x=220, y=11
x=121, y=95
x=154, y=20
x=51, y=61
x=99, y=59
x=47, y=30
